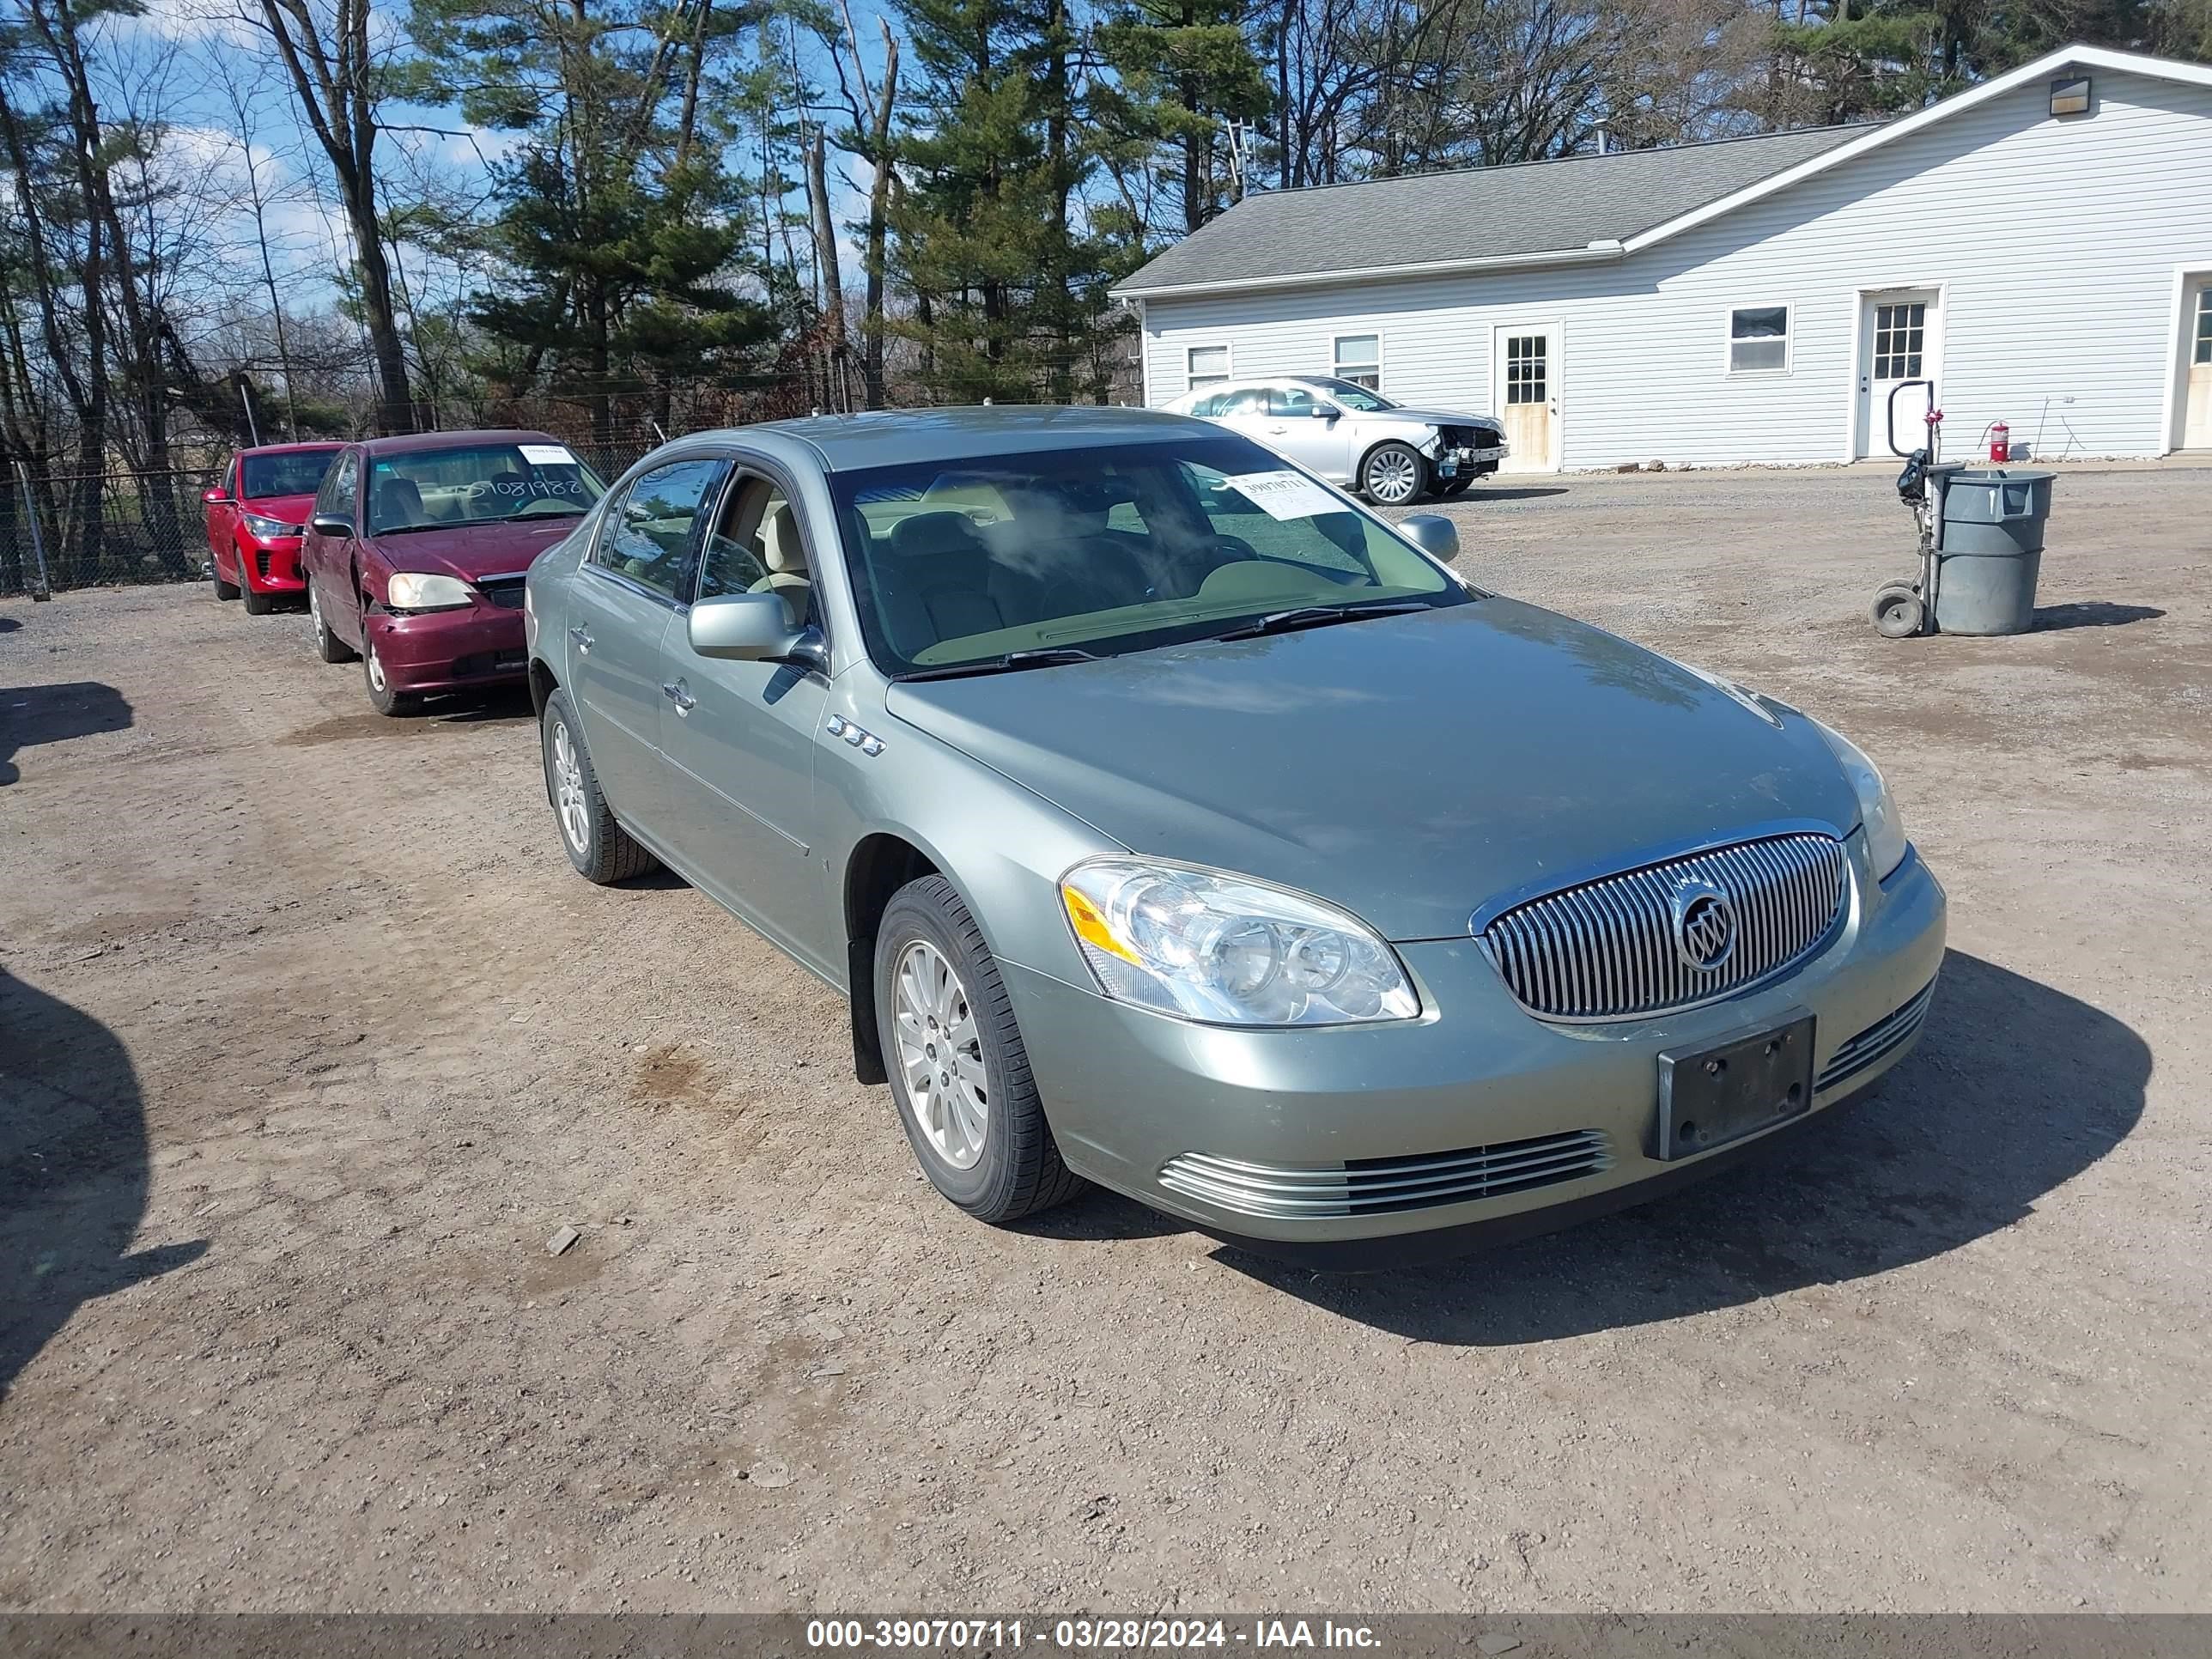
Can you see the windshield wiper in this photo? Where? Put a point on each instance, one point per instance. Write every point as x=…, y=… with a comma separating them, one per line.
x=1050, y=656
x=1320, y=616
x=410, y=529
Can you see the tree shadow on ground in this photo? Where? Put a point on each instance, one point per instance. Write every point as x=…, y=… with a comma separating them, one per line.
x=30, y=714
x=2014, y=1089
x=74, y=1171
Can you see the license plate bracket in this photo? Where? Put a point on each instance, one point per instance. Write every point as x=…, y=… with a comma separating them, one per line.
x=1711, y=1095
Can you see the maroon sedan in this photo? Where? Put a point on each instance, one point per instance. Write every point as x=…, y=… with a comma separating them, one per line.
x=255, y=517
x=416, y=550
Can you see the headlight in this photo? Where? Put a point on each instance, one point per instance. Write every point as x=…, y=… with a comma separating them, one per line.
x=410, y=590
x=1885, y=828
x=265, y=526
x=1215, y=947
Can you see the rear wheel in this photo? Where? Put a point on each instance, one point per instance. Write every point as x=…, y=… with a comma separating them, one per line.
x=1394, y=474
x=328, y=646
x=959, y=1073
x=600, y=847
x=1898, y=611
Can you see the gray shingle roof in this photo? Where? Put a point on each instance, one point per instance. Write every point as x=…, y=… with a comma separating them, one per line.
x=1532, y=209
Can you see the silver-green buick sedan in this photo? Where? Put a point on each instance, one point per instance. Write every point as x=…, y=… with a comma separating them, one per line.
x=1172, y=822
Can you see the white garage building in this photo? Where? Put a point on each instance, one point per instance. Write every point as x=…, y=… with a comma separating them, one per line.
x=2040, y=246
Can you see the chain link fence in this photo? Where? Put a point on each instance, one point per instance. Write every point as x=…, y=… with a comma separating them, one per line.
x=101, y=528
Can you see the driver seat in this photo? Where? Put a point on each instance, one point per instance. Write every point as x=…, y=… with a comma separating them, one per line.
x=783, y=556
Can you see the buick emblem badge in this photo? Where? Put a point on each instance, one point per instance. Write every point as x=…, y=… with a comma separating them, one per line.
x=1705, y=925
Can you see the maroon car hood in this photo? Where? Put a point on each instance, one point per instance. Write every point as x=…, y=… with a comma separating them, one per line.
x=290, y=509
x=469, y=551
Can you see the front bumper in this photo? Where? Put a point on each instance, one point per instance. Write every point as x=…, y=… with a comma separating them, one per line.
x=1451, y=462
x=456, y=650
x=270, y=566
x=1250, y=1134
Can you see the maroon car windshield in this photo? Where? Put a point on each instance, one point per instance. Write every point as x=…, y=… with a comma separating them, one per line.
x=290, y=472
x=472, y=484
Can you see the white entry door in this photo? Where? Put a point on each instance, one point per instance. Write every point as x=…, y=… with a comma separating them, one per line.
x=1527, y=375
x=1900, y=339
x=2196, y=419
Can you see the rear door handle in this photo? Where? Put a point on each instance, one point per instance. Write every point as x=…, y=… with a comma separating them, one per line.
x=582, y=636
x=680, y=695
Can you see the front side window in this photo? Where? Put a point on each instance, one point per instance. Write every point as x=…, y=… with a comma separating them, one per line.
x=1293, y=401
x=1252, y=400
x=1357, y=398
x=757, y=547
x=1359, y=359
x=475, y=484
x=1758, y=339
x=1206, y=366
x=295, y=472
x=646, y=536
x=1107, y=550
x=336, y=496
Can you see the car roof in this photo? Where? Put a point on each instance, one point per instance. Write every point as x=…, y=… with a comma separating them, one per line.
x=895, y=437
x=308, y=446
x=410, y=442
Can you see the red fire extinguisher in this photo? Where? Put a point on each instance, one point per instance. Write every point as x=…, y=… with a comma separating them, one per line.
x=2000, y=443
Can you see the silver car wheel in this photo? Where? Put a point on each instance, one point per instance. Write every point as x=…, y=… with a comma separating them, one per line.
x=376, y=669
x=569, y=791
x=940, y=1054
x=315, y=612
x=1392, y=478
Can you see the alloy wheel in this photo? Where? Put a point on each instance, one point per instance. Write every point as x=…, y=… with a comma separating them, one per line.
x=377, y=682
x=1392, y=478
x=940, y=1054
x=315, y=613
x=568, y=790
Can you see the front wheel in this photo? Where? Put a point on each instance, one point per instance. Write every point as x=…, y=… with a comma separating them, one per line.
x=1459, y=486
x=257, y=604
x=382, y=696
x=958, y=1071
x=600, y=847
x=1394, y=474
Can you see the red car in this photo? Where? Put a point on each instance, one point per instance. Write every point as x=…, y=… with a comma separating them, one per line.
x=416, y=551
x=255, y=517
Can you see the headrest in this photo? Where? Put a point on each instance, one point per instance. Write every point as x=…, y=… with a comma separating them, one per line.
x=935, y=535
x=781, y=550
x=397, y=502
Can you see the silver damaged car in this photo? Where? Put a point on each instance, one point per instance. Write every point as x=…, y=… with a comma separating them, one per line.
x=1171, y=822
x=1390, y=452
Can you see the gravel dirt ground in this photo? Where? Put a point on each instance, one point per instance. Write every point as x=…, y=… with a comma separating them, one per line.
x=310, y=1039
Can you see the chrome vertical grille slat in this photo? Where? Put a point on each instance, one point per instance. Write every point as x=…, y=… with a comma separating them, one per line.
x=1605, y=949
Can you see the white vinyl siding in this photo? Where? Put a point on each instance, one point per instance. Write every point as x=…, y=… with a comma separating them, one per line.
x=2054, y=244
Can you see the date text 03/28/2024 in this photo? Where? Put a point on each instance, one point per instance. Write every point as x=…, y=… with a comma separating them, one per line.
x=1000, y=1635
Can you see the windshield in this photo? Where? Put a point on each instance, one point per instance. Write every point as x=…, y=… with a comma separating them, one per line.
x=471, y=484
x=295, y=472
x=1109, y=549
x=1355, y=396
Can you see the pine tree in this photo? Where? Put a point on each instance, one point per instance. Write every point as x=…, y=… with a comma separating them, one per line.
x=1184, y=70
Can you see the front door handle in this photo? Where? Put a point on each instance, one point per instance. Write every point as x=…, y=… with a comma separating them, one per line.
x=680, y=695
x=582, y=636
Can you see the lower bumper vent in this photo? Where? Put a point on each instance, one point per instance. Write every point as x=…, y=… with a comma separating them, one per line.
x=1884, y=1038
x=1379, y=1186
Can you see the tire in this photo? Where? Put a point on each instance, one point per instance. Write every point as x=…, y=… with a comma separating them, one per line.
x=223, y=590
x=328, y=646
x=1016, y=1171
x=1394, y=475
x=1898, y=611
x=600, y=847
x=1451, y=487
x=256, y=605
x=381, y=697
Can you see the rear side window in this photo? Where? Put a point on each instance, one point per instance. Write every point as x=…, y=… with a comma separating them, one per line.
x=648, y=534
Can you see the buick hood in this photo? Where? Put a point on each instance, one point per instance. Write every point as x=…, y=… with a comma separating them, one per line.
x=471, y=550
x=1408, y=768
x=1435, y=416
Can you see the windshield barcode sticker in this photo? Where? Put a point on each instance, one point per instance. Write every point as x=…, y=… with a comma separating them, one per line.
x=1284, y=495
x=548, y=455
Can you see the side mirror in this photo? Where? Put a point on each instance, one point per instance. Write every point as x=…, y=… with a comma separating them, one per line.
x=1325, y=411
x=747, y=628
x=329, y=524
x=1433, y=533
x=212, y=496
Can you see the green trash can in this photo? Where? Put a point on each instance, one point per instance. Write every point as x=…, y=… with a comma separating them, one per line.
x=1989, y=547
